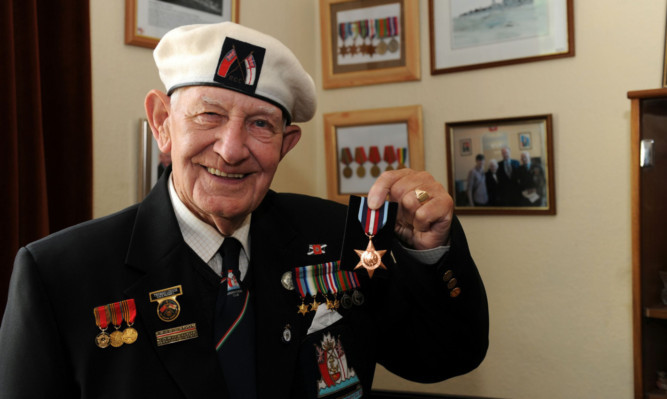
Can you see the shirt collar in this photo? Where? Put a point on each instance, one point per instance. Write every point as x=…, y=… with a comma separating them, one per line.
x=204, y=239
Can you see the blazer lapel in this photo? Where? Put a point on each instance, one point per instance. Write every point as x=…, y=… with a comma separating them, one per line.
x=157, y=249
x=273, y=245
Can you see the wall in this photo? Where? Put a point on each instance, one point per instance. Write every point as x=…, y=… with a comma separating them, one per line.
x=558, y=286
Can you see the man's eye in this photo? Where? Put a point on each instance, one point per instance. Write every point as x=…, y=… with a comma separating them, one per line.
x=261, y=123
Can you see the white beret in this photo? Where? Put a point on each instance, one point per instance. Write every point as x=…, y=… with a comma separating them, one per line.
x=237, y=58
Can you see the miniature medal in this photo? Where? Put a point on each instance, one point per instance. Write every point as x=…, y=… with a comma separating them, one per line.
x=102, y=339
x=129, y=310
x=117, y=319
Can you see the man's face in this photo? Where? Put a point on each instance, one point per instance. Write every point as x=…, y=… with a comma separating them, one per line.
x=524, y=159
x=225, y=149
x=505, y=153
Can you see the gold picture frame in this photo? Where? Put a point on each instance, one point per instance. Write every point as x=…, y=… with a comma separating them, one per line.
x=526, y=187
x=370, y=141
x=368, y=42
x=465, y=36
x=141, y=28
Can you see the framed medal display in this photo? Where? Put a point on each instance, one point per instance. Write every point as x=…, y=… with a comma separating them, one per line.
x=369, y=42
x=508, y=167
x=146, y=21
x=360, y=145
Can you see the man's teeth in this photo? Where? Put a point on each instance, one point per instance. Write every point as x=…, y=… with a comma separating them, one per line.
x=223, y=174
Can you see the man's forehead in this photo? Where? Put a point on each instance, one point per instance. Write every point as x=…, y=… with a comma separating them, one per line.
x=224, y=98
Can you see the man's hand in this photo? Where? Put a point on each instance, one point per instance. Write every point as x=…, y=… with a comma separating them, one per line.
x=421, y=224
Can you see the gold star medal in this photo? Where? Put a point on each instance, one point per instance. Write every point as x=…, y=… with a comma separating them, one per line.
x=371, y=220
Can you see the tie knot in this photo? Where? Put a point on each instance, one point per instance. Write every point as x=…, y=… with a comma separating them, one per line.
x=229, y=250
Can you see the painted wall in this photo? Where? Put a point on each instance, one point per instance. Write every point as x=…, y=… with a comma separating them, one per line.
x=559, y=286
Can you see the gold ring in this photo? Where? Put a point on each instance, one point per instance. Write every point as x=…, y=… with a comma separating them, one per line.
x=422, y=196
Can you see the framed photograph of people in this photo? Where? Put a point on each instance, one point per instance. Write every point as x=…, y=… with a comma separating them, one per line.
x=146, y=21
x=369, y=42
x=474, y=34
x=512, y=170
x=360, y=145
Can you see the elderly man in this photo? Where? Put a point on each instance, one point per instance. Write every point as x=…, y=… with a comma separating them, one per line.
x=216, y=286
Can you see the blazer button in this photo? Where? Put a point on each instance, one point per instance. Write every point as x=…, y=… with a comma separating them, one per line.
x=452, y=283
x=455, y=292
x=447, y=276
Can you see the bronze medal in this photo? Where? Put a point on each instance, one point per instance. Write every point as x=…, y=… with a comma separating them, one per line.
x=381, y=48
x=393, y=45
x=130, y=335
x=102, y=340
x=347, y=172
x=370, y=259
x=116, y=339
x=375, y=171
x=361, y=171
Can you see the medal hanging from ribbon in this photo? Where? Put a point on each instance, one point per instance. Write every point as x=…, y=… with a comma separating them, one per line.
x=346, y=159
x=331, y=287
x=117, y=320
x=327, y=280
x=360, y=158
x=381, y=28
x=371, y=220
x=393, y=32
x=306, y=285
x=342, y=33
x=389, y=156
x=402, y=155
x=129, y=312
x=102, y=321
x=374, y=158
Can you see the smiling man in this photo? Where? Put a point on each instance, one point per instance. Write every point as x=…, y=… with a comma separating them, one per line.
x=217, y=286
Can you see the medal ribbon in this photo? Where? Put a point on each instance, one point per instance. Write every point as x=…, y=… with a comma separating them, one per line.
x=101, y=317
x=354, y=280
x=389, y=155
x=301, y=281
x=116, y=315
x=129, y=310
x=372, y=220
x=374, y=154
x=402, y=154
x=393, y=26
x=346, y=156
x=360, y=155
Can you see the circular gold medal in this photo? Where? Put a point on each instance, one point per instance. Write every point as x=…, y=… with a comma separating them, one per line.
x=116, y=339
x=102, y=339
x=130, y=335
x=347, y=172
x=361, y=171
x=393, y=45
x=375, y=171
x=382, y=48
x=389, y=167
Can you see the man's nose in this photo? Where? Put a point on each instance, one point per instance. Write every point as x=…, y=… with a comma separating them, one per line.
x=231, y=142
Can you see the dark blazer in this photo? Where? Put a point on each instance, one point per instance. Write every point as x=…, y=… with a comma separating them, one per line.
x=508, y=192
x=409, y=321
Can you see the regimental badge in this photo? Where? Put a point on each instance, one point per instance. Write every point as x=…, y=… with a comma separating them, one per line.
x=335, y=373
x=316, y=249
x=240, y=66
x=168, y=307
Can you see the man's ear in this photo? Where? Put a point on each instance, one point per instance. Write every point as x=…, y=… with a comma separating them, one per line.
x=158, y=107
x=291, y=136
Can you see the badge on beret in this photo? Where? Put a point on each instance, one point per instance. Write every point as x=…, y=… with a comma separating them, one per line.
x=240, y=66
x=168, y=307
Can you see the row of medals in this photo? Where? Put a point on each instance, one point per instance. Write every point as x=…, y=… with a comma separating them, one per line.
x=369, y=49
x=346, y=300
x=117, y=338
x=361, y=170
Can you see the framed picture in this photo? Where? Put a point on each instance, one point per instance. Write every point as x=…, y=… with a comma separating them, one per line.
x=152, y=162
x=465, y=146
x=511, y=171
x=360, y=145
x=369, y=42
x=467, y=34
x=146, y=21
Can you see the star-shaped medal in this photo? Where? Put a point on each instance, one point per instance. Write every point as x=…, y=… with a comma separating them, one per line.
x=303, y=309
x=370, y=259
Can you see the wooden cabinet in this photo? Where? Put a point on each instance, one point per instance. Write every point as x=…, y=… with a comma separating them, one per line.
x=649, y=239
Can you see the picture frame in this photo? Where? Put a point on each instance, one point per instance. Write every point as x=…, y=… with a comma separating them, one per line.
x=146, y=21
x=467, y=35
x=361, y=144
x=368, y=42
x=152, y=162
x=527, y=188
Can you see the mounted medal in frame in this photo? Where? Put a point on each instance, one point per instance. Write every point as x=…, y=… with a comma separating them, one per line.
x=511, y=170
x=369, y=42
x=360, y=145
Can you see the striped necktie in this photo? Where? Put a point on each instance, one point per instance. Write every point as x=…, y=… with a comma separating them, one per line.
x=235, y=326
